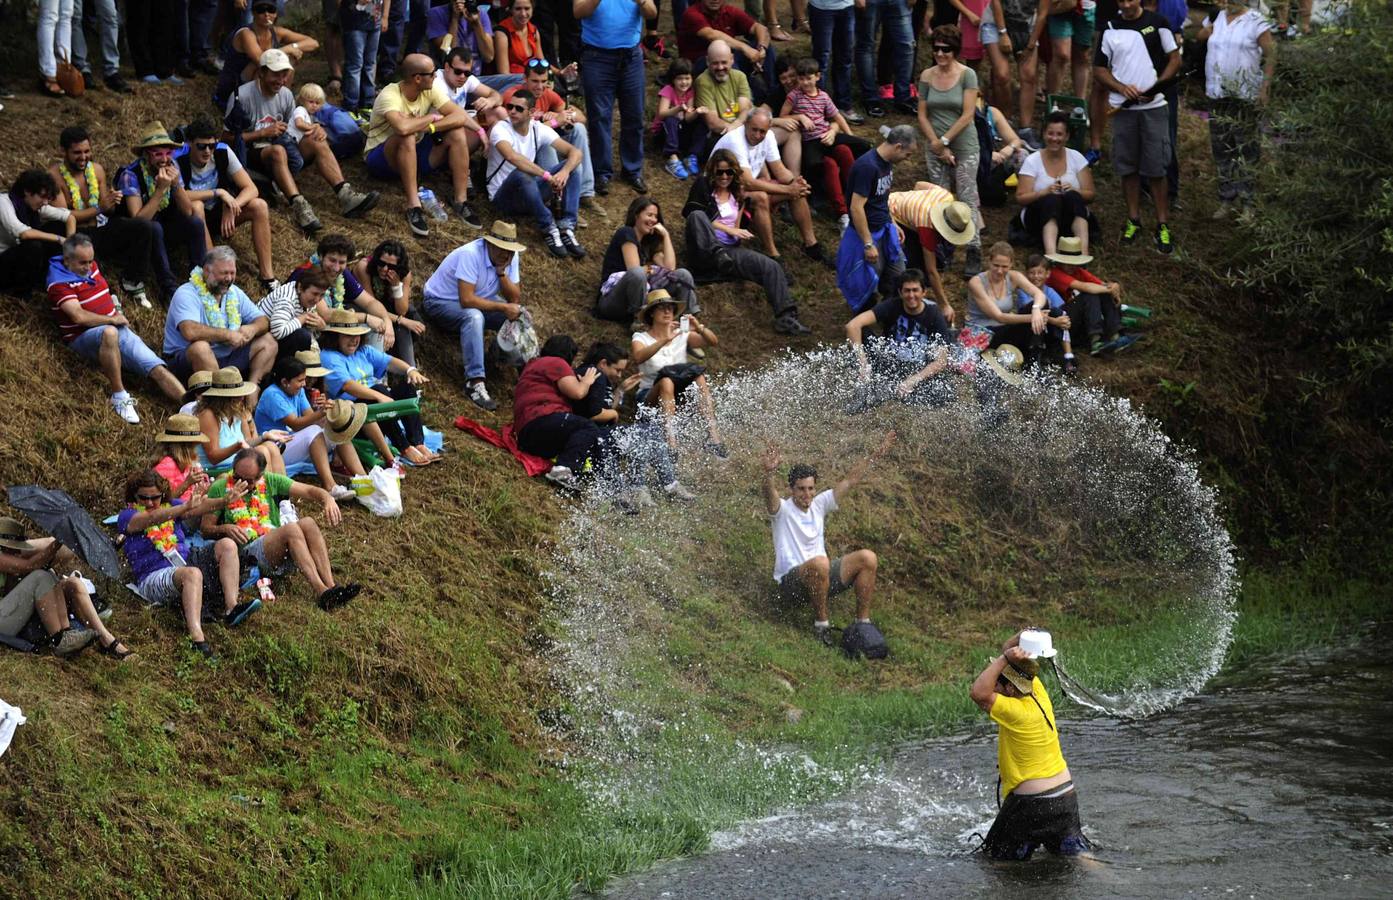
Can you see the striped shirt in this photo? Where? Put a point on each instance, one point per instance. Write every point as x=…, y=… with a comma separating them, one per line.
x=282, y=307
x=910, y=209
x=819, y=108
x=93, y=295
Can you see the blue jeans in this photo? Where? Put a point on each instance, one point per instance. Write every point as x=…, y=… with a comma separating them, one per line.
x=135, y=356
x=470, y=324
x=834, y=37
x=580, y=138
x=520, y=194
x=605, y=74
x=108, y=32
x=500, y=83
x=406, y=27
x=893, y=16
x=201, y=16
x=360, y=42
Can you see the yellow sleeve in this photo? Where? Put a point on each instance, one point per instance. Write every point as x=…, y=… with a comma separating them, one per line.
x=1009, y=712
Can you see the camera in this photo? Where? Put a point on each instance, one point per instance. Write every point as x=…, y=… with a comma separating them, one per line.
x=471, y=6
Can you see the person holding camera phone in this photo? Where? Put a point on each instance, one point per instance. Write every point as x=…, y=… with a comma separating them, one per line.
x=224, y=415
x=660, y=352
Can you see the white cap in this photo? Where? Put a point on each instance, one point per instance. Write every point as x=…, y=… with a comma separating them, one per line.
x=275, y=60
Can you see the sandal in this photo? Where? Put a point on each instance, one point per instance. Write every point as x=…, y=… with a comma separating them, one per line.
x=777, y=33
x=335, y=85
x=50, y=87
x=802, y=25
x=112, y=651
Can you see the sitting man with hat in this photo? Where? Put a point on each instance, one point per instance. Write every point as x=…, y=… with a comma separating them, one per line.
x=912, y=347
x=1094, y=305
x=93, y=328
x=212, y=323
x=477, y=287
x=27, y=586
x=926, y=216
x=153, y=189
x=252, y=518
x=1038, y=803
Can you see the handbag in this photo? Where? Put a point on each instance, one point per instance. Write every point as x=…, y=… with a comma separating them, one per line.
x=682, y=375
x=70, y=79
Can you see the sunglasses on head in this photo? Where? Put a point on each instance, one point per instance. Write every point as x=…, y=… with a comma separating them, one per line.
x=538, y=64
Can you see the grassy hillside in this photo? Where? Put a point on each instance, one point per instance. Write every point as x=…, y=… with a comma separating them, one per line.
x=404, y=743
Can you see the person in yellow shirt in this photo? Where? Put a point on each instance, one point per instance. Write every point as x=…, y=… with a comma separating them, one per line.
x=1038, y=803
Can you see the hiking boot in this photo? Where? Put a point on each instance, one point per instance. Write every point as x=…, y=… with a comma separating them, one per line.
x=239, y=613
x=467, y=214
x=1163, y=239
x=1130, y=231
x=303, y=214
x=124, y=405
x=355, y=204
x=679, y=493
x=972, y=262
x=581, y=221
x=563, y=478
x=573, y=247
x=823, y=633
x=479, y=396
x=554, y=245
x=593, y=205
x=416, y=221
x=789, y=324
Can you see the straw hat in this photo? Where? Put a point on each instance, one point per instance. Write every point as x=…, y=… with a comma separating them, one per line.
x=199, y=382
x=342, y=420
x=314, y=366
x=228, y=382
x=1069, y=251
x=656, y=299
x=341, y=321
x=1004, y=361
x=953, y=222
x=504, y=236
x=156, y=135
x=12, y=536
x=1022, y=675
x=179, y=429
x=275, y=60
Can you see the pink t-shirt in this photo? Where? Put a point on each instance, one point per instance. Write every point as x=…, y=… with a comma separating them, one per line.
x=972, y=38
x=820, y=109
x=171, y=472
x=676, y=98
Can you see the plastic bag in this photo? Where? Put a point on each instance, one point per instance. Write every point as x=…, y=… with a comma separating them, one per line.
x=517, y=340
x=385, y=497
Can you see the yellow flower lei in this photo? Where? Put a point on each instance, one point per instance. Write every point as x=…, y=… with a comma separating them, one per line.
x=216, y=315
x=334, y=296
x=89, y=174
x=149, y=180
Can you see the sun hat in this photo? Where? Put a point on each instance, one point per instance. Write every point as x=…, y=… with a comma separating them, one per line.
x=155, y=135
x=341, y=321
x=275, y=60
x=228, y=382
x=1037, y=644
x=1004, y=361
x=1022, y=674
x=179, y=429
x=199, y=382
x=953, y=222
x=314, y=366
x=12, y=535
x=343, y=419
x=504, y=236
x=1069, y=252
x=656, y=299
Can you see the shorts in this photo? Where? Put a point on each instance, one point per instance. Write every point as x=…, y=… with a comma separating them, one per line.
x=241, y=357
x=1077, y=25
x=1025, y=822
x=1141, y=142
x=293, y=159
x=255, y=553
x=380, y=167
x=988, y=32
x=135, y=356
x=793, y=590
x=159, y=589
x=17, y=607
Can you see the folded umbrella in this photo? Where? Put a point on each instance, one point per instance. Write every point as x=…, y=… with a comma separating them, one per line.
x=71, y=525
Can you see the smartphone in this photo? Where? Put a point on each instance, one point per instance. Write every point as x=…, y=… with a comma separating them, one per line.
x=685, y=323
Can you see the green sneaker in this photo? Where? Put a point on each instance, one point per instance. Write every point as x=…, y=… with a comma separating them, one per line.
x=1130, y=231
x=1163, y=239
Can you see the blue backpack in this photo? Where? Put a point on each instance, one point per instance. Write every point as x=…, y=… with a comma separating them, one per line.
x=346, y=138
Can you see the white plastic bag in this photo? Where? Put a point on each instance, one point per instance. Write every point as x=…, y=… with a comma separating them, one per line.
x=517, y=341
x=11, y=717
x=385, y=498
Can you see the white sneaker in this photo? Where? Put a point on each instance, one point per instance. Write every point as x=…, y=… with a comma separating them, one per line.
x=343, y=492
x=563, y=477
x=676, y=491
x=125, y=408
x=288, y=513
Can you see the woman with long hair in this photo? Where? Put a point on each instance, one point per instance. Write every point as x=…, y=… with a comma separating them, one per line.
x=247, y=44
x=386, y=272
x=641, y=258
x=225, y=417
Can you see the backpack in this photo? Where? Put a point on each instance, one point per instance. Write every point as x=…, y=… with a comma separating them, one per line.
x=346, y=137
x=991, y=181
x=864, y=639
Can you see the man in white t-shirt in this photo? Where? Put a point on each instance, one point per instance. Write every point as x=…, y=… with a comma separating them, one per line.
x=456, y=79
x=768, y=182
x=517, y=185
x=802, y=567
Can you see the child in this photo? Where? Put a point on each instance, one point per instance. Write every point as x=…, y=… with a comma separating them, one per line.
x=225, y=417
x=176, y=456
x=1037, y=269
x=827, y=137
x=302, y=123
x=1101, y=300
x=362, y=22
x=284, y=405
x=680, y=122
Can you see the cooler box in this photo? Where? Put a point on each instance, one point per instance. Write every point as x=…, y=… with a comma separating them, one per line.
x=1077, y=108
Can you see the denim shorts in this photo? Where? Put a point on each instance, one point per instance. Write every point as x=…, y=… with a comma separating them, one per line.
x=294, y=161
x=988, y=32
x=241, y=357
x=255, y=552
x=135, y=356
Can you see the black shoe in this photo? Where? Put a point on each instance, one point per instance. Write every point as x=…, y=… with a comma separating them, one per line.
x=202, y=648
x=573, y=247
x=875, y=109
x=416, y=220
x=184, y=70
x=208, y=66
x=114, y=82
x=635, y=181
x=238, y=614
x=554, y=245
x=905, y=107
x=1071, y=367
x=814, y=252
x=467, y=214
x=602, y=186
x=824, y=635
x=789, y=324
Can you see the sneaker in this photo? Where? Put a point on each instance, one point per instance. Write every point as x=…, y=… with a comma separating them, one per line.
x=1130, y=231
x=843, y=222
x=304, y=215
x=114, y=82
x=202, y=649
x=135, y=290
x=1071, y=366
x=905, y=107
x=151, y=79
x=479, y=396
x=716, y=449
x=789, y=324
x=823, y=633
x=887, y=92
x=602, y=185
x=875, y=109
x=416, y=221
x=972, y=261
x=563, y=477
x=239, y=613
x=1029, y=138
x=853, y=117
x=573, y=247
x=1123, y=341
x=581, y=221
x=342, y=492
x=1163, y=239
x=125, y=408
x=675, y=168
x=636, y=181
x=467, y=214
x=693, y=165
x=288, y=513
x=678, y=492
x=554, y=245
x=174, y=80
x=1093, y=156
x=355, y=204
x=1097, y=346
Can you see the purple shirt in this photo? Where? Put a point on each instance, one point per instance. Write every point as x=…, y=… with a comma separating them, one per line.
x=438, y=22
x=141, y=552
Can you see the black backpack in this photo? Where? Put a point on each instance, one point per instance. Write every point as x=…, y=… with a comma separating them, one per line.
x=991, y=180
x=864, y=639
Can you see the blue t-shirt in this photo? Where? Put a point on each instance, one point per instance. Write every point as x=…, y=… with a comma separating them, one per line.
x=367, y=367
x=1052, y=299
x=275, y=404
x=144, y=558
x=871, y=177
x=614, y=25
x=186, y=306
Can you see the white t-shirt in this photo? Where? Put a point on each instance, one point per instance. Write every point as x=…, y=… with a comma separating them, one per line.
x=11, y=226
x=1123, y=49
x=1074, y=163
x=673, y=354
x=470, y=263
x=1233, y=61
x=798, y=534
x=296, y=115
x=526, y=146
x=753, y=158
x=458, y=97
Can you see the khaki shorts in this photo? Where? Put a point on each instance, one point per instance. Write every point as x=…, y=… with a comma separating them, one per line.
x=793, y=590
x=17, y=606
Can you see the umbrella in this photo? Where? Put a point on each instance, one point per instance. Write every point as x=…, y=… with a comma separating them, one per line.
x=59, y=515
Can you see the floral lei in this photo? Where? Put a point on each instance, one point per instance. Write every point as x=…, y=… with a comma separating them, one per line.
x=215, y=314
x=334, y=296
x=89, y=174
x=148, y=179
x=163, y=536
x=251, y=511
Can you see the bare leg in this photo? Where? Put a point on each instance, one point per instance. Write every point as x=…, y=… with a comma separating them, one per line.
x=314, y=540
x=763, y=223
x=790, y=148
x=1097, y=115
x=379, y=442
x=263, y=357
x=259, y=215
x=667, y=402
x=109, y=357
x=290, y=539
x=815, y=574
x=1049, y=235
x=1080, y=232
x=1030, y=80
x=324, y=160
x=708, y=407
x=274, y=461
x=858, y=570
x=1080, y=65
x=1058, y=65
x=189, y=581
x=1160, y=198
x=1131, y=189
x=402, y=152
x=80, y=603
x=166, y=382
x=319, y=455
x=229, y=571
x=201, y=358
x=274, y=158
x=348, y=455
x=456, y=147
x=803, y=217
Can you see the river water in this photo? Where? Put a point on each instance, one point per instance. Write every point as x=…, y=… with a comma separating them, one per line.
x=1270, y=783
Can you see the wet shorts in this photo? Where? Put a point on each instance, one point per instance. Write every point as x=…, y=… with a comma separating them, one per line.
x=1050, y=819
x=255, y=553
x=793, y=590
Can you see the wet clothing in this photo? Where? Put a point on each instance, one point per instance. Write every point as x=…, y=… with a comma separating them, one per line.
x=1027, y=742
x=1027, y=821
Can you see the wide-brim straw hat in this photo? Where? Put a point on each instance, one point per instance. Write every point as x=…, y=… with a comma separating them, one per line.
x=504, y=236
x=156, y=135
x=228, y=382
x=199, y=382
x=12, y=535
x=180, y=429
x=343, y=420
x=314, y=366
x=1022, y=675
x=341, y=321
x=1069, y=251
x=1004, y=360
x=953, y=222
x=656, y=299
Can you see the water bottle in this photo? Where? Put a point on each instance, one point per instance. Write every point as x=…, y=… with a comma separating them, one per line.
x=1142, y=311
x=431, y=205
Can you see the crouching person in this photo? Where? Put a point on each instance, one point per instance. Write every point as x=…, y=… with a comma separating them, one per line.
x=252, y=518
x=166, y=568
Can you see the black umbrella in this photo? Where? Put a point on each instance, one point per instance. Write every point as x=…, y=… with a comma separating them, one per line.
x=59, y=515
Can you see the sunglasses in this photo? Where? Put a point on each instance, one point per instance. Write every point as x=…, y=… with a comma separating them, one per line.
x=538, y=64
x=264, y=8
x=940, y=48
x=518, y=107
x=460, y=72
x=726, y=172
x=205, y=145
x=149, y=498
x=395, y=267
